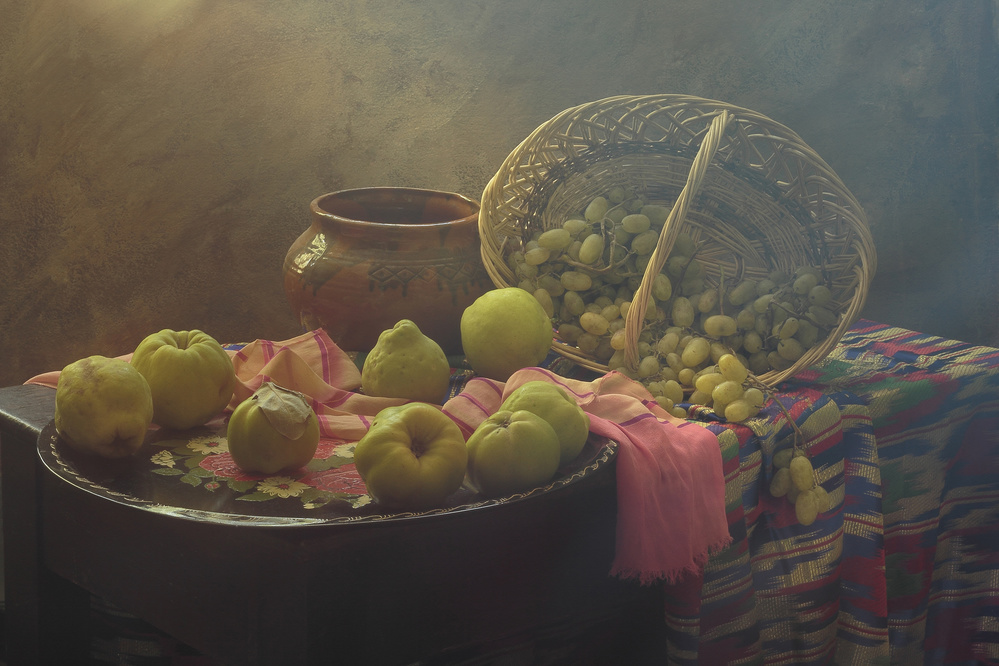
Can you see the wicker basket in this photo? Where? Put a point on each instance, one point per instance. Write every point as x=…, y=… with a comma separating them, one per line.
x=749, y=190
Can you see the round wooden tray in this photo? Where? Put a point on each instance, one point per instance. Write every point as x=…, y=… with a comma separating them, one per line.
x=191, y=475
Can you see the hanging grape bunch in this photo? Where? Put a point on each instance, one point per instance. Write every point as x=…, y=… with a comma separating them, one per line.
x=794, y=479
x=702, y=339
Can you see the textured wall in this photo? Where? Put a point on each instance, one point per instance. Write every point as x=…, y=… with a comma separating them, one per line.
x=157, y=159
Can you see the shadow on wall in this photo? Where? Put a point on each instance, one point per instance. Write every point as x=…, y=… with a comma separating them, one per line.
x=157, y=160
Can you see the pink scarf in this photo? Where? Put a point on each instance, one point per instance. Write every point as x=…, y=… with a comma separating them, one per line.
x=671, y=492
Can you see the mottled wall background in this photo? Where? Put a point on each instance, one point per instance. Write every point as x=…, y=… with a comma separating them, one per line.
x=157, y=158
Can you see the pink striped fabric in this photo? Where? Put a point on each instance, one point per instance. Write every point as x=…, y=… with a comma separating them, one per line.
x=670, y=488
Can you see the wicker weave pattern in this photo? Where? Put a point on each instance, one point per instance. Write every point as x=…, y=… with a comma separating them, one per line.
x=762, y=199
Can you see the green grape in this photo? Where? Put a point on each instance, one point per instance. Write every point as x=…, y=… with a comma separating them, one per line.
x=551, y=284
x=804, y=284
x=615, y=254
x=777, y=362
x=765, y=286
x=593, y=323
x=675, y=265
x=591, y=249
x=732, y=368
x=574, y=303
x=621, y=236
x=610, y=312
x=661, y=287
x=823, y=502
x=667, y=343
x=717, y=351
x=807, y=333
x=696, y=352
x=762, y=304
x=588, y=343
x=752, y=342
x=569, y=333
x=536, y=256
x=737, y=411
x=707, y=382
x=596, y=209
x=636, y=223
x=759, y=363
x=619, y=340
x=726, y=392
x=555, y=239
x=526, y=271
x=685, y=245
x=802, y=473
x=822, y=316
x=576, y=281
x=699, y=397
x=718, y=326
x=545, y=299
x=780, y=313
x=575, y=226
x=786, y=328
x=743, y=292
x=674, y=362
x=573, y=250
x=683, y=312
x=673, y=390
x=782, y=459
x=808, y=270
x=617, y=194
x=706, y=301
x=790, y=349
x=806, y=508
x=780, y=484
x=657, y=214
x=648, y=366
x=644, y=243
x=819, y=295
x=686, y=376
x=679, y=412
x=746, y=319
x=754, y=397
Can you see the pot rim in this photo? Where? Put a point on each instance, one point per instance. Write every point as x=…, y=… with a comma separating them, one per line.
x=317, y=210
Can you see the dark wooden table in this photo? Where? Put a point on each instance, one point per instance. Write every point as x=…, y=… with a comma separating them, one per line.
x=527, y=580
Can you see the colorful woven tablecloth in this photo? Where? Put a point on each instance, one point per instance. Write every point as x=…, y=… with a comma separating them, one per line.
x=903, y=428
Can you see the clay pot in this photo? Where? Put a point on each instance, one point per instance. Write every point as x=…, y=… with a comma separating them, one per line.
x=373, y=256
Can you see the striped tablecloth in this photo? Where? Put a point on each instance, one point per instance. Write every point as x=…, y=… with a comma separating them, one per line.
x=904, y=569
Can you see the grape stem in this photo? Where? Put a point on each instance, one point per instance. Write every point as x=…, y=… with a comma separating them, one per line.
x=799, y=436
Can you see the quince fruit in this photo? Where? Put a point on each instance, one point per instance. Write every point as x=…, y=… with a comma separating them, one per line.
x=275, y=429
x=511, y=452
x=405, y=363
x=503, y=331
x=570, y=423
x=190, y=375
x=412, y=457
x=103, y=406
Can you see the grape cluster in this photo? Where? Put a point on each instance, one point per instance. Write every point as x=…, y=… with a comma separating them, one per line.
x=586, y=272
x=794, y=478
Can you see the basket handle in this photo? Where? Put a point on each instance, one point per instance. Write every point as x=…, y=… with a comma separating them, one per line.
x=667, y=237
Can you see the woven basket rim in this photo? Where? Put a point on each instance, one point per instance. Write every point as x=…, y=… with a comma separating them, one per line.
x=753, y=148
